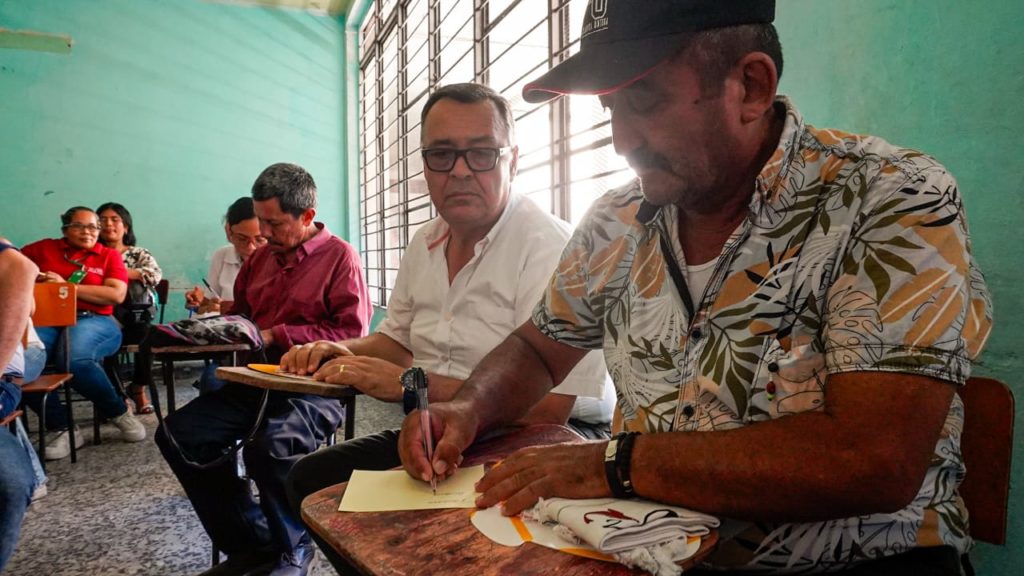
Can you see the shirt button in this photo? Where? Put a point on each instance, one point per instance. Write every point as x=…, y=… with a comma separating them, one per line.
x=688, y=411
x=696, y=334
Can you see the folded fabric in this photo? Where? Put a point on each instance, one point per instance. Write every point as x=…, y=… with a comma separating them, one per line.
x=640, y=533
x=227, y=329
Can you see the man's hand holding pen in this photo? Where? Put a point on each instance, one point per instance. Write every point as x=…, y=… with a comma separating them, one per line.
x=453, y=429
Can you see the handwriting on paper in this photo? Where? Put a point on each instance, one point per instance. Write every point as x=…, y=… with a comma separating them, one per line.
x=389, y=490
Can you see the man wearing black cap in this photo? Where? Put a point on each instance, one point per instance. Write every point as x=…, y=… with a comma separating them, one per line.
x=787, y=312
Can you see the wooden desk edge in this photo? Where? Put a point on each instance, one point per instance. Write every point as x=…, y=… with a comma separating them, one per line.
x=248, y=376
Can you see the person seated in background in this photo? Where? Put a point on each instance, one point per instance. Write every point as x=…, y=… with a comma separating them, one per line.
x=788, y=313
x=136, y=312
x=102, y=282
x=243, y=232
x=17, y=275
x=466, y=280
x=305, y=285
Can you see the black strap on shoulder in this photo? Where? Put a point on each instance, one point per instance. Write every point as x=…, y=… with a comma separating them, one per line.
x=228, y=452
x=646, y=214
x=677, y=278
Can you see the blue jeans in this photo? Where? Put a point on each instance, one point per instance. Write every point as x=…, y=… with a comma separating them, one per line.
x=294, y=425
x=35, y=361
x=16, y=480
x=93, y=338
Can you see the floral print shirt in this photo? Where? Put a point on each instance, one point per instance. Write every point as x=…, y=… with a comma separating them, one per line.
x=138, y=258
x=854, y=256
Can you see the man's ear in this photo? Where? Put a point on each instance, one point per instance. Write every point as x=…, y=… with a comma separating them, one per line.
x=759, y=80
x=307, y=216
x=227, y=231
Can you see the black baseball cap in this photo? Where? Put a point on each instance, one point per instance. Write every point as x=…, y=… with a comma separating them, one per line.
x=623, y=39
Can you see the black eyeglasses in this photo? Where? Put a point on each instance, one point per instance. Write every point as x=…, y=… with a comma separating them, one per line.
x=78, y=227
x=478, y=159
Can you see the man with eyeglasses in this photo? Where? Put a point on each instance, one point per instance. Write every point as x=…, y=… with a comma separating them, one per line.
x=466, y=280
x=788, y=313
x=305, y=284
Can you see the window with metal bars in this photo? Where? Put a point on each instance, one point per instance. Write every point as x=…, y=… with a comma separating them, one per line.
x=409, y=47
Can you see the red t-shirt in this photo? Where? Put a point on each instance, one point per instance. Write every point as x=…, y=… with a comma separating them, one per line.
x=99, y=263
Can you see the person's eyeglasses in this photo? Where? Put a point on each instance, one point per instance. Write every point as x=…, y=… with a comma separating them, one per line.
x=478, y=159
x=92, y=228
x=246, y=240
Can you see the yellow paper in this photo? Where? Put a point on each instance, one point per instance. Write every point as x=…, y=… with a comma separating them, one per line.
x=389, y=490
x=275, y=370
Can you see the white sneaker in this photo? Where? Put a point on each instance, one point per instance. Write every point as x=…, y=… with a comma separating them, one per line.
x=39, y=492
x=131, y=429
x=58, y=447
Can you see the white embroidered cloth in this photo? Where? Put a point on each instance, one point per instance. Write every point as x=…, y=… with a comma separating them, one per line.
x=640, y=533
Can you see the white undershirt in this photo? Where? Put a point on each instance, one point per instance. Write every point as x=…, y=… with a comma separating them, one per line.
x=697, y=278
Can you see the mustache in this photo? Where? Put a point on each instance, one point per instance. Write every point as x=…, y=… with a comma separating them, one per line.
x=645, y=159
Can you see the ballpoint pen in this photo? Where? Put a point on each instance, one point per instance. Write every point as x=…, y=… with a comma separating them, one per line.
x=210, y=288
x=428, y=441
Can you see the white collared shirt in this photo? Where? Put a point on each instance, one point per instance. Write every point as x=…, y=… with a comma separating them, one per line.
x=449, y=328
x=224, y=267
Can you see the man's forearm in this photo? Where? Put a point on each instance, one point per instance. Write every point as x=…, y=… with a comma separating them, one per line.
x=506, y=383
x=811, y=466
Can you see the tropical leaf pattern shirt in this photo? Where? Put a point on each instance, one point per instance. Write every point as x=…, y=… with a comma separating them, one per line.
x=855, y=256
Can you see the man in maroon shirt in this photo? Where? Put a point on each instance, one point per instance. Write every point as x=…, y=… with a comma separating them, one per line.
x=306, y=284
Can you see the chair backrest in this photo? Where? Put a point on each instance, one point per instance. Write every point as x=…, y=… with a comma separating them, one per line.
x=987, y=446
x=56, y=304
x=162, y=288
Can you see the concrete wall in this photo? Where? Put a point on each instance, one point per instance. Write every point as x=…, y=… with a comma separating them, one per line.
x=171, y=108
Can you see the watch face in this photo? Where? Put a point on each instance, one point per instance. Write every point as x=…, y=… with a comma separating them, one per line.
x=409, y=379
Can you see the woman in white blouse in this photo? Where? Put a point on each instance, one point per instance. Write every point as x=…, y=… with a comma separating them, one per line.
x=243, y=232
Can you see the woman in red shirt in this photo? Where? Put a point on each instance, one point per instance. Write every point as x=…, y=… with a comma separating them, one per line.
x=102, y=282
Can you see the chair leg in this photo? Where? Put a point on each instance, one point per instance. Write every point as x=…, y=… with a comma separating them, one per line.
x=168, y=372
x=71, y=423
x=350, y=418
x=42, y=432
x=96, y=438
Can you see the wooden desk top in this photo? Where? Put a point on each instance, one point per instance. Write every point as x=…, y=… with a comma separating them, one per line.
x=243, y=375
x=444, y=541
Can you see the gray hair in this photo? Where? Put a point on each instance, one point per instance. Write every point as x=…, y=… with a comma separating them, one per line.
x=717, y=50
x=293, y=187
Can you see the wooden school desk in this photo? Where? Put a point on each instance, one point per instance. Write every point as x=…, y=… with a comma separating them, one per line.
x=444, y=541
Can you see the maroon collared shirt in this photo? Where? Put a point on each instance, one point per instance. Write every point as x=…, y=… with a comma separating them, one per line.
x=320, y=295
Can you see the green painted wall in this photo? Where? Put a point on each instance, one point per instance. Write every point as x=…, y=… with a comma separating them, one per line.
x=172, y=108
x=945, y=77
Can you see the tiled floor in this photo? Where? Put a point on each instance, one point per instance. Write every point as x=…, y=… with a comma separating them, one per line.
x=119, y=510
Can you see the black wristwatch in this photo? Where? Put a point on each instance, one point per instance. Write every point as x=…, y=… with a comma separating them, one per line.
x=412, y=379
